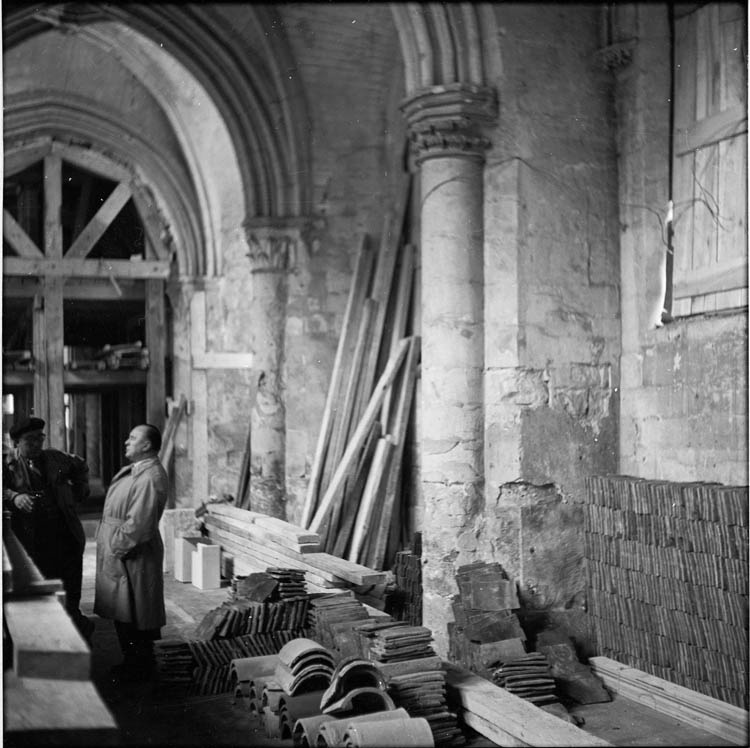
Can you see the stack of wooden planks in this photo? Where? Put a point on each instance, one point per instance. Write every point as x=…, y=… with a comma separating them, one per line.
x=353, y=497
x=258, y=543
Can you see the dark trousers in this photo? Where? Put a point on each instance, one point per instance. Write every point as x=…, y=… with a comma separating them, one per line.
x=58, y=555
x=137, y=645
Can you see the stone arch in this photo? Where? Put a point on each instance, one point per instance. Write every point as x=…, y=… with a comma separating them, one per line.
x=262, y=107
x=164, y=189
x=443, y=44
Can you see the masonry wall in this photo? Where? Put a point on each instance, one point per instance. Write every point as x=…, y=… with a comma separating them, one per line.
x=552, y=322
x=347, y=56
x=684, y=384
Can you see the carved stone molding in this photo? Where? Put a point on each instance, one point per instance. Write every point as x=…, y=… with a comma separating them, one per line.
x=274, y=248
x=447, y=121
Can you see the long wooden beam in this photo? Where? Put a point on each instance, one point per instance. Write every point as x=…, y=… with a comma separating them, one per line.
x=511, y=718
x=714, y=716
x=95, y=228
x=18, y=238
x=82, y=268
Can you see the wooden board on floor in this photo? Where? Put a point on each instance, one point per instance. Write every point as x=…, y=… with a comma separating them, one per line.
x=46, y=644
x=280, y=527
x=717, y=717
x=511, y=714
x=48, y=704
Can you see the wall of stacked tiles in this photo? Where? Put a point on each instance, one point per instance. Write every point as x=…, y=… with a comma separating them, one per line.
x=667, y=567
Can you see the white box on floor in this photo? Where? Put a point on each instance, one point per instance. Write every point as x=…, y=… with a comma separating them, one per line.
x=205, y=566
x=183, y=556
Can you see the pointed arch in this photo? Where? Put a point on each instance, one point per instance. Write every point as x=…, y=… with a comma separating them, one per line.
x=270, y=135
x=442, y=44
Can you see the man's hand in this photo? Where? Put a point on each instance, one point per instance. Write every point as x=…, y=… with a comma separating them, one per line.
x=24, y=502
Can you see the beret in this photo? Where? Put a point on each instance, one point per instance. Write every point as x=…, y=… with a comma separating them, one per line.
x=17, y=430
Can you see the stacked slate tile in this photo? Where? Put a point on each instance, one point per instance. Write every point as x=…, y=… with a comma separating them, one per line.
x=399, y=649
x=485, y=629
x=405, y=600
x=528, y=676
x=331, y=619
x=202, y=668
x=667, y=567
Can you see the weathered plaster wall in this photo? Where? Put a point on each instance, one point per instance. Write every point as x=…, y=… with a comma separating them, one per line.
x=551, y=303
x=347, y=57
x=684, y=385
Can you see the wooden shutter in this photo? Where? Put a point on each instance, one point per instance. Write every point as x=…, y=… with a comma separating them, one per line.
x=710, y=157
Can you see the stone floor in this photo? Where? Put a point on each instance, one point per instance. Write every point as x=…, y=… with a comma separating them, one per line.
x=150, y=717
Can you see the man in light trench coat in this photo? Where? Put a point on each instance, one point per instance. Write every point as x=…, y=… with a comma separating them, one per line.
x=130, y=553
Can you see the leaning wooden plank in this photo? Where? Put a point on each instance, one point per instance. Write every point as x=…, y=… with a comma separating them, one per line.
x=364, y=521
x=346, y=408
x=170, y=432
x=400, y=310
x=401, y=421
x=44, y=704
x=354, y=490
x=46, y=644
x=357, y=292
x=521, y=719
x=359, y=436
x=717, y=717
x=381, y=292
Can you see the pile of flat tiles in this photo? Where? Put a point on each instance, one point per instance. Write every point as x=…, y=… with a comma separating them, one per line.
x=667, y=566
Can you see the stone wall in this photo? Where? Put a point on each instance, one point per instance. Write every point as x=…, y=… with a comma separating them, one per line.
x=684, y=384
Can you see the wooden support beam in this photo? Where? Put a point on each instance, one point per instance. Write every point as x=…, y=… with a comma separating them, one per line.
x=357, y=294
x=108, y=211
x=90, y=160
x=359, y=436
x=39, y=350
x=18, y=239
x=29, y=154
x=218, y=360
x=63, y=268
x=53, y=320
x=156, y=342
x=717, y=717
x=52, y=206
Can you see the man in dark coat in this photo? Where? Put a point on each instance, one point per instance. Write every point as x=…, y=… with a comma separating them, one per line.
x=130, y=554
x=40, y=489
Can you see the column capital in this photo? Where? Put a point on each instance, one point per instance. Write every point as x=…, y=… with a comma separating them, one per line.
x=448, y=120
x=274, y=244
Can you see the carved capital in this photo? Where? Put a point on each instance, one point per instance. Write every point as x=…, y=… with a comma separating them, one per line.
x=448, y=121
x=273, y=248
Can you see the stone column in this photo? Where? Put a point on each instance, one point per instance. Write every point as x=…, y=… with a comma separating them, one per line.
x=272, y=253
x=449, y=148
